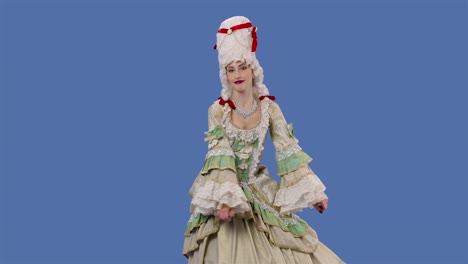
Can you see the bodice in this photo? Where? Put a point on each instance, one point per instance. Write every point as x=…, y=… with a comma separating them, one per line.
x=247, y=144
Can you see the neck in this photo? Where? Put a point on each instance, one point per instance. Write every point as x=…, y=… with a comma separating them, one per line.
x=243, y=100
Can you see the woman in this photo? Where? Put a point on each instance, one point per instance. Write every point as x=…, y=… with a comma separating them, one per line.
x=239, y=214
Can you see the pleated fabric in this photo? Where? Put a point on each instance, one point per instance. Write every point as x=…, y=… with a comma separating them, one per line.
x=240, y=242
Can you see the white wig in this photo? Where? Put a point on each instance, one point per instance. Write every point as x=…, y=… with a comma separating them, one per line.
x=236, y=41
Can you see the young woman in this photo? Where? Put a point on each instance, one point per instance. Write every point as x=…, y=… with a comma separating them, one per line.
x=239, y=214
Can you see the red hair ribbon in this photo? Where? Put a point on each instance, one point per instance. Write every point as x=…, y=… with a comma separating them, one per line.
x=229, y=102
x=233, y=107
x=241, y=26
x=271, y=97
x=254, y=39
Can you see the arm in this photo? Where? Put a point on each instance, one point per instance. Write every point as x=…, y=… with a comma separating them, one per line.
x=299, y=187
x=217, y=187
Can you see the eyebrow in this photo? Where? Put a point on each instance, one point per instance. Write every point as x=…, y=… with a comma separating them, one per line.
x=240, y=65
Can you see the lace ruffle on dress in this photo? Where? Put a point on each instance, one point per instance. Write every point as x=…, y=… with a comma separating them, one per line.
x=265, y=228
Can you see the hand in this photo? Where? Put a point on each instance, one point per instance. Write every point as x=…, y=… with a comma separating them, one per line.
x=321, y=206
x=226, y=213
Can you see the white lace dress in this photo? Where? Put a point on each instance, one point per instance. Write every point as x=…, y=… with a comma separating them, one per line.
x=265, y=228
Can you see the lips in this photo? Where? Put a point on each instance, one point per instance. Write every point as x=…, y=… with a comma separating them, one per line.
x=238, y=82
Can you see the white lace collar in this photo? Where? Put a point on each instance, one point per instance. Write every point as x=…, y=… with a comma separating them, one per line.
x=251, y=134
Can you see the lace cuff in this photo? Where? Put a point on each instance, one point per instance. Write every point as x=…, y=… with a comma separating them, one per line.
x=298, y=190
x=215, y=190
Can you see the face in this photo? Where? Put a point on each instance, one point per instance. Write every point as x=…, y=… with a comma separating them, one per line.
x=240, y=76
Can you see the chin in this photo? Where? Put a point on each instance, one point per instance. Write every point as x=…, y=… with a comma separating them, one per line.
x=240, y=90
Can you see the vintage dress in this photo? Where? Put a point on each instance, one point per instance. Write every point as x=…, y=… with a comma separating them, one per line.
x=265, y=228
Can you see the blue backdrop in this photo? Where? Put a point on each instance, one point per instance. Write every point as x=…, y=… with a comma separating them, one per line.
x=103, y=106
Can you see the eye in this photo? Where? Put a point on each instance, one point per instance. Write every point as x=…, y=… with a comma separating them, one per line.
x=244, y=68
x=230, y=70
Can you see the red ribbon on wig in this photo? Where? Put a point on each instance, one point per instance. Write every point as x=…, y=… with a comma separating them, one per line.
x=254, y=39
x=241, y=26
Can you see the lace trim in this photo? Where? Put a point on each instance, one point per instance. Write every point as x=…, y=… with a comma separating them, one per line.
x=293, y=220
x=213, y=195
x=288, y=152
x=307, y=192
x=219, y=152
x=246, y=135
x=250, y=135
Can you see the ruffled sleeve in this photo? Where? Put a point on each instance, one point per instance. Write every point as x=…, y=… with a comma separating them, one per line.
x=217, y=183
x=300, y=187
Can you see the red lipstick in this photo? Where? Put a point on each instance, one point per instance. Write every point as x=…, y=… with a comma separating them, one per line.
x=238, y=82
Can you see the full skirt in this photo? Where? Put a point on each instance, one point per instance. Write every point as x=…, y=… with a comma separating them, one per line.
x=241, y=242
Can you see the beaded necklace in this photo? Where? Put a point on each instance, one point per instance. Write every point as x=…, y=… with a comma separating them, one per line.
x=248, y=113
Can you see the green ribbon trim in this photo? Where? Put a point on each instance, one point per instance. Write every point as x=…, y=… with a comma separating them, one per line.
x=219, y=162
x=292, y=163
x=216, y=133
x=297, y=230
x=197, y=220
x=290, y=130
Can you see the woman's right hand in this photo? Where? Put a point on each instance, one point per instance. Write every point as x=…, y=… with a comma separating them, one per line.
x=225, y=213
x=321, y=206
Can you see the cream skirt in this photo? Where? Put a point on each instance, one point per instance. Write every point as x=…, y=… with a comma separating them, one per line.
x=241, y=242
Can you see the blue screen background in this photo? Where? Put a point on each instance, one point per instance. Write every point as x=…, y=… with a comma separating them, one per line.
x=103, y=105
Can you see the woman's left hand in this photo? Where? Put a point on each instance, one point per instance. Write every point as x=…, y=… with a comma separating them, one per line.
x=321, y=206
x=225, y=213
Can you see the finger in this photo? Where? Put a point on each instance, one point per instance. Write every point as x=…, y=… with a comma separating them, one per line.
x=221, y=214
x=227, y=218
x=325, y=204
x=319, y=207
x=224, y=215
